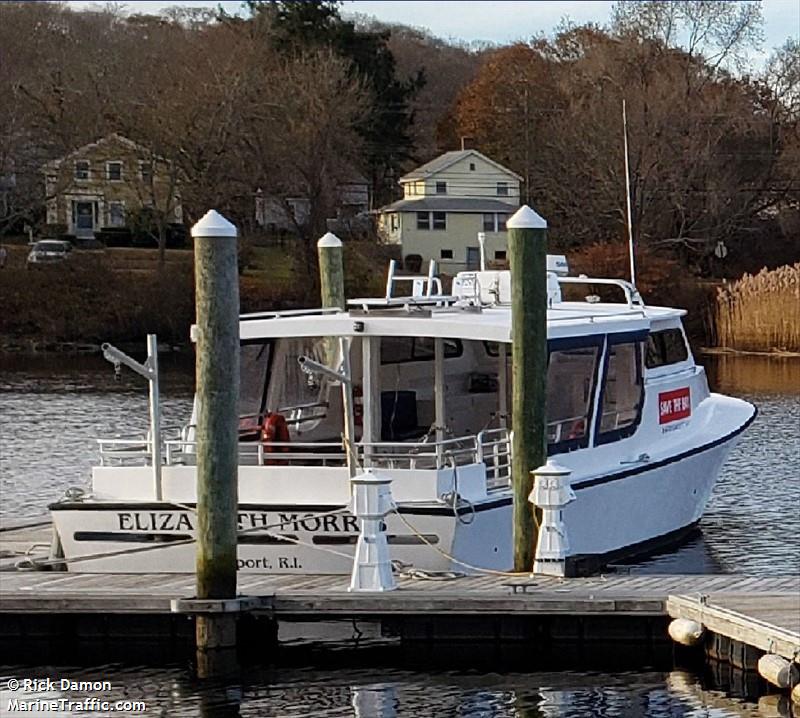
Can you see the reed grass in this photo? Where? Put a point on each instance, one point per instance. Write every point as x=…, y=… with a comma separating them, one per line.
x=760, y=312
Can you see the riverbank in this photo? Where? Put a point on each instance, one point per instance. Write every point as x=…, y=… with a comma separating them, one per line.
x=120, y=295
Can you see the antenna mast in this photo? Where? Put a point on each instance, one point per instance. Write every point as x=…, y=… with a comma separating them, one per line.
x=628, y=193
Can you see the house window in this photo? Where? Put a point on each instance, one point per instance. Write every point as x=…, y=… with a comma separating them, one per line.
x=114, y=171
x=432, y=220
x=441, y=188
x=394, y=223
x=502, y=189
x=471, y=166
x=116, y=214
x=500, y=254
x=447, y=254
x=494, y=222
x=81, y=170
x=145, y=171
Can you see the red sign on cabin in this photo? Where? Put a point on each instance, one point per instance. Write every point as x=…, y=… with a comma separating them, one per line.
x=674, y=405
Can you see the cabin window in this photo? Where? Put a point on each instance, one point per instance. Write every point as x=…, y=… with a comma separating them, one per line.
x=441, y=188
x=81, y=170
x=502, y=189
x=571, y=378
x=622, y=394
x=253, y=368
x=440, y=220
x=665, y=347
x=423, y=220
x=396, y=350
x=290, y=387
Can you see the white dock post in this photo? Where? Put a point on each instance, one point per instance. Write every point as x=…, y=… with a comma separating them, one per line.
x=372, y=500
x=551, y=493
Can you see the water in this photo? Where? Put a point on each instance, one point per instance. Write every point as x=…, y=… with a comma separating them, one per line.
x=51, y=411
x=398, y=693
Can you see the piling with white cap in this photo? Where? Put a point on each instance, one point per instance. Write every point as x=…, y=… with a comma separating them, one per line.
x=527, y=253
x=217, y=336
x=551, y=493
x=331, y=270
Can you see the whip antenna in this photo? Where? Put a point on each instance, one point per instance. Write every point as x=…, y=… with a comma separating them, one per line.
x=628, y=193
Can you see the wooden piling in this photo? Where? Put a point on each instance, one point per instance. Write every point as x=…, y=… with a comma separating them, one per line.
x=331, y=271
x=527, y=251
x=331, y=281
x=217, y=305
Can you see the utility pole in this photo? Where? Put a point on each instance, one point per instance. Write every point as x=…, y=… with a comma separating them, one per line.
x=527, y=251
x=217, y=305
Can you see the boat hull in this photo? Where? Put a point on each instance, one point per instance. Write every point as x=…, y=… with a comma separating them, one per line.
x=633, y=510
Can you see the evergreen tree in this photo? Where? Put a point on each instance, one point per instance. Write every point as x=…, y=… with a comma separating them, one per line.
x=298, y=26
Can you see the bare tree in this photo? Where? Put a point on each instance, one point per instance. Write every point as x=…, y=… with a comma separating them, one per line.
x=299, y=132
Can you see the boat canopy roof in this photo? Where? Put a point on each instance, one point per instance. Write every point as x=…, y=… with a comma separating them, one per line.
x=567, y=319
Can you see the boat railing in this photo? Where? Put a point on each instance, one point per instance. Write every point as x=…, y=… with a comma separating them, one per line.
x=433, y=454
x=494, y=450
x=632, y=296
x=490, y=446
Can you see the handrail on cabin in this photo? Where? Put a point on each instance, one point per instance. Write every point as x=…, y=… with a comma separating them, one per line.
x=632, y=295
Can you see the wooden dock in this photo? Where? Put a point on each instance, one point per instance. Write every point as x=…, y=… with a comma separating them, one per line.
x=762, y=613
x=762, y=621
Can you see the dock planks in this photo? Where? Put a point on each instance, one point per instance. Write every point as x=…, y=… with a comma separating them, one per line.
x=762, y=612
x=327, y=596
x=766, y=621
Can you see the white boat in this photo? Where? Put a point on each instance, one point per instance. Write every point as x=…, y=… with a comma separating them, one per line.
x=628, y=412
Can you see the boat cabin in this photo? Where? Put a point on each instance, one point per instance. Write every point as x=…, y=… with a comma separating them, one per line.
x=423, y=381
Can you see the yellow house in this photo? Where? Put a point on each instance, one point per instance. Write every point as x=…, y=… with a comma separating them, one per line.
x=446, y=203
x=98, y=185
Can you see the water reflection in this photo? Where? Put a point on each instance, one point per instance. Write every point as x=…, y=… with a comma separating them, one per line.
x=384, y=692
x=745, y=374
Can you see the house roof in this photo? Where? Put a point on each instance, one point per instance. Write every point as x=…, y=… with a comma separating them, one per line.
x=450, y=204
x=442, y=162
x=113, y=137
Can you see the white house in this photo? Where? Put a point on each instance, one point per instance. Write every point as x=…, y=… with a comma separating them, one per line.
x=446, y=203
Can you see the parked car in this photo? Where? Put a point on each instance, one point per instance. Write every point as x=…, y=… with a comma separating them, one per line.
x=46, y=251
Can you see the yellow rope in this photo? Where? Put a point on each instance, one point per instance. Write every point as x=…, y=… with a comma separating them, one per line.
x=490, y=571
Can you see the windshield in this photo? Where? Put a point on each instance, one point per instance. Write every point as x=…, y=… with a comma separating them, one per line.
x=50, y=246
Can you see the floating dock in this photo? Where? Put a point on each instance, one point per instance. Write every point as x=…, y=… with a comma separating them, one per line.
x=753, y=614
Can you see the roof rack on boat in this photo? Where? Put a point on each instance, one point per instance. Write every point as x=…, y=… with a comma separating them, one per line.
x=632, y=296
x=426, y=291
